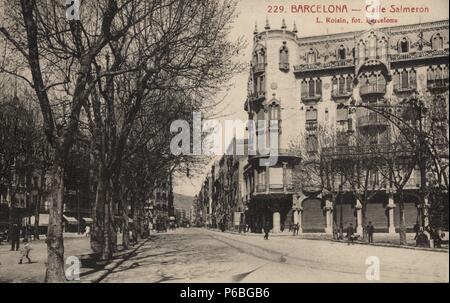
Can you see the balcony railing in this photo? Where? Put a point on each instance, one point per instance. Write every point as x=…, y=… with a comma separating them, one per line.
x=372, y=121
x=311, y=98
x=324, y=66
x=437, y=84
x=337, y=94
x=377, y=89
x=419, y=55
x=259, y=68
x=404, y=89
x=311, y=125
x=257, y=96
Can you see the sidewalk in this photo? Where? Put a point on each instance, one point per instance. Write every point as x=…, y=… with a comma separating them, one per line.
x=11, y=271
x=381, y=239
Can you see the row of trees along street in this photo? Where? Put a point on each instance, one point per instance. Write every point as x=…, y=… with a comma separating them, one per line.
x=110, y=84
x=346, y=159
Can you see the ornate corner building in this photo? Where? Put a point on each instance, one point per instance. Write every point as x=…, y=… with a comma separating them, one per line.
x=307, y=83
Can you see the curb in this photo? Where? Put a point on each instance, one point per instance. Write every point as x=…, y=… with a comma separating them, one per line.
x=390, y=245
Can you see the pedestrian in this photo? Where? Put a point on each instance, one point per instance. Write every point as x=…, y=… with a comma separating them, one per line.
x=131, y=237
x=15, y=237
x=87, y=231
x=266, y=232
x=370, y=230
x=350, y=234
x=296, y=229
x=25, y=252
x=416, y=230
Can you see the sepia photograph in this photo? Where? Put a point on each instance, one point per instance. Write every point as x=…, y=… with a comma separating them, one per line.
x=241, y=143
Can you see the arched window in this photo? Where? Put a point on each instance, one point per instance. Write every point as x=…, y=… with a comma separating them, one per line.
x=342, y=53
x=311, y=114
x=383, y=48
x=284, y=58
x=412, y=78
x=437, y=42
x=349, y=84
x=319, y=87
x=274, y=111
x=361, y=50
x=311, y=88
x=430, y=74
x=404, y=79
x=311, y=56
x=372, y=46
x=403, y=45
x=304, y=88
x=341, y=85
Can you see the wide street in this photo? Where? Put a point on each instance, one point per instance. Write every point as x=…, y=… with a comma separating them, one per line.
x=198, y=255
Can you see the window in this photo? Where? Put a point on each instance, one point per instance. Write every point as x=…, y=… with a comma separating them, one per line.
x=342, y=53
x=437, y=42
x=284, y=58
x=403, y=46
x=361, y=50
x=311, y=114
x=311, y=88
x=311, y=56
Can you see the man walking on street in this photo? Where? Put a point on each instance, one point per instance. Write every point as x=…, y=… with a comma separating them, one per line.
x=370, y=231
x=350, y=234
x=15, y=237
x=266, y=231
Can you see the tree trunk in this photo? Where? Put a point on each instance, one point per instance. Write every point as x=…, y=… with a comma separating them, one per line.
x=55, y=245
x=125, y=230
x=98, y=215
x=38, y=206
x=106, y=249
x=402, y=230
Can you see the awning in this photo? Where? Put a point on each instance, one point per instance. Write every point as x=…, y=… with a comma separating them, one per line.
x=88, y=220
x=70, y=220
x=43, y=220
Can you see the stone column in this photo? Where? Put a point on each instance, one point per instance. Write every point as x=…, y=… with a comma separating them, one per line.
x=276, y=222
x=359, y=227
x=295, y=216
x=328, y=216
x=391, y=207
x=300, y=220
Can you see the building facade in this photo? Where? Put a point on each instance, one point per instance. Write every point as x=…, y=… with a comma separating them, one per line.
x=308, y=85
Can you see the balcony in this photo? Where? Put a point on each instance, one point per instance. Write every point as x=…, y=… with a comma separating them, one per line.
x=259, y=68
x=373, y=121
x=372, y=89
x=257, y=96
x=421, y=55
x=399, y=89
x=340, y=64
x=311, y=98
x=437, y=85
x=336, y=94
x=311, y=126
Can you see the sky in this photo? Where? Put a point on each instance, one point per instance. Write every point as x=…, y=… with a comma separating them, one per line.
x=256, y=11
